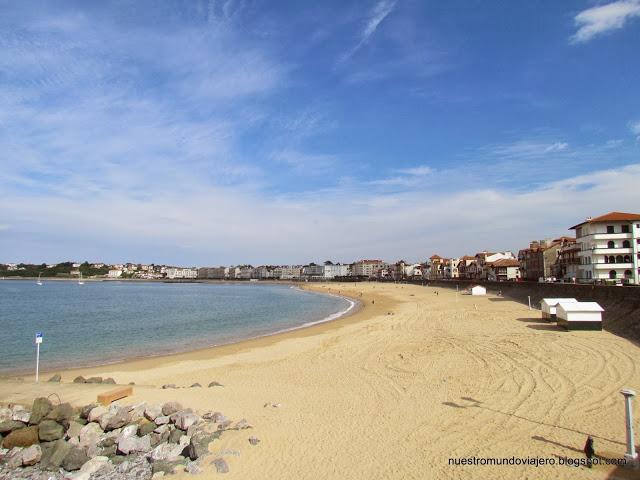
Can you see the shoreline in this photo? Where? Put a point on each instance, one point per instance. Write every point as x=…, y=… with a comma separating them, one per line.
x=354, y=308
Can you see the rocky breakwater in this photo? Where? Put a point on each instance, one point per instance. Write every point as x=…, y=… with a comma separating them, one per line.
x=116, y=442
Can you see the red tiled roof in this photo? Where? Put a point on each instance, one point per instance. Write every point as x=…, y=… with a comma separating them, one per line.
x=611, y=217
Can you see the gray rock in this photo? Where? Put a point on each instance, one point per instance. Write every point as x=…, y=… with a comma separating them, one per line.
x=193, y=467
x=184, y=419
x=74, y=460
x=162, y=428
x=165, y=466
x=224, y=425
x=128, y=431
x=116, y=420
x=50, y=430
x=89, y=436
x=93, y=466
x=58, y=454
x=62, y=414
x=219, y=417
x=158, y=438
x=174, y=436
x=47, y=450
x=152, y=412
x=242, y=425
x=221, y=465
x=195, y=385
x=79, y=379
x=23, y=437
x=170, y=408
x=31, y=455
x=22, y=416
x=86, y=410
x=40, y=409
x=199, y=444
x=94, y=380
x=9, y=426
x=215, y=384
x=254, y=441
x=134, y=444
x=137, y=412
x=57, y=378
x=5, y=414
x=166, y=451
x=74, y=430
x=14, y=458
x=146, y=429
x=162, y=420
x=96, y=413
x=109, y=381
x=169, y=385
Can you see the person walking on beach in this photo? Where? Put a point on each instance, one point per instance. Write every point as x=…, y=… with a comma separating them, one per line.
x=589, y=451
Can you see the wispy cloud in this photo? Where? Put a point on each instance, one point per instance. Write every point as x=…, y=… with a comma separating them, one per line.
x=635, y=129
x=596, y=21
x=376, y=16
x=528, y=149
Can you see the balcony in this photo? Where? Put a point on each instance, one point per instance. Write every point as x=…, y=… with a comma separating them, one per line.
x=611, y=236
x=613, y=266
x=610, y=251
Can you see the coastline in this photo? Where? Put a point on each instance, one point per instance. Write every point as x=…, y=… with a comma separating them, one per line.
x=314, y=327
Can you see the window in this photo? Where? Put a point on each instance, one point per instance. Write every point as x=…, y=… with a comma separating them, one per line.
x=627, y=274
x=610, y=229
x=611, y=245
x=627, y=259
x=626, y=244
x=611, y=259
x=606, y=259
x=618, y=258
x=625, y=228
x=612, y=274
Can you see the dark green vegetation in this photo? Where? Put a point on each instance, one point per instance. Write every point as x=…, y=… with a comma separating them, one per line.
x=60, y=270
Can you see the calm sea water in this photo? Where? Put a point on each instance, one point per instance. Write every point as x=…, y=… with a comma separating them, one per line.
x=100, y=322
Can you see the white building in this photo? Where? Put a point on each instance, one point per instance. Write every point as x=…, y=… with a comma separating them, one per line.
x=173, y=272
x=114, y=273
x=245, y=273
x=609, y=248
x=287, y=272
x=367, y=268
x=478, y=290
x=579, y=315
x=333, y=271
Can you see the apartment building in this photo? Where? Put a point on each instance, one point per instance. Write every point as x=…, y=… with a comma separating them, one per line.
x=367, y=268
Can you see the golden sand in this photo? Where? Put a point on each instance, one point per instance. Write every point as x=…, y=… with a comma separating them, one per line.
x=397, y=389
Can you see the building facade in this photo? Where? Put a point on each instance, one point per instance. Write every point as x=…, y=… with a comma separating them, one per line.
x=367, y=268
x=609, y=248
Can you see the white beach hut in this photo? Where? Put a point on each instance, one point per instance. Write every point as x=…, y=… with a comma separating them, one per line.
x=478, y=290
x=579, y=315
x=548, y=306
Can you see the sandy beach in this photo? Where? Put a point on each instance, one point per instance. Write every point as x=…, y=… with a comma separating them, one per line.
x=396, y=390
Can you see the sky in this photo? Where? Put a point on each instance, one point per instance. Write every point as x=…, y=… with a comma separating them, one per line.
x=267, y=132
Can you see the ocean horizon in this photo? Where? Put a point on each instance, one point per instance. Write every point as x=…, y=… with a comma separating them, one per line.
x=106, y=322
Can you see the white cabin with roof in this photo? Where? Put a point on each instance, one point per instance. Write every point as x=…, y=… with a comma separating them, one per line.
x=579, y=315
x=548, y=306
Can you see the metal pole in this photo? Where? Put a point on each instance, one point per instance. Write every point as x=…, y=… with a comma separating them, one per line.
x=37, y=361
x=631, y=454
x=529, y=297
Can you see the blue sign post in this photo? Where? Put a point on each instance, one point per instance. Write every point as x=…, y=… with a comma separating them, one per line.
x=38, y=342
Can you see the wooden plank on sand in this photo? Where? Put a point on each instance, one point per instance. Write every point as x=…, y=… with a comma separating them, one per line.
x=116, y=394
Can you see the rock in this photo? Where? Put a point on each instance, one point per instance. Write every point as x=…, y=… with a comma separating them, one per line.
x=109, y=381
x=162, y=420
x=215, y=384
x=111, y=421
x=195, y=385
x=62, y=414
x=137, y=412
x=152, y=412
x=22, y=416
x=74, y=460
x=40, y=409
x=57, y=378
x=158, y=438
x=165, y=466
x=50, y=430
x=170, y=408
x=128, y=431
x=58, y=454
x=23, y=437
x=221, y=465
x=90, y=467
x=9, y=426
x=193, y=467
x=161, y=428
x=96, y=413
x=242, y=425
x=146, y=429
x=174, y=436
x=156, y=475
x=89, y=436
x=14, y=458
x=166, y=451
x=219, y=417
x=47, y=449
x=31, y=455
x=74, y=430
x=5, y=414
x=199, y=445
x=81, y=421
x=94, y=380
x=254, y=441
x=79, y=379
x=86, y=410
x=184, y=441
x=224, y=425
x=183, y=420
x=169, y=385
x=134, y=444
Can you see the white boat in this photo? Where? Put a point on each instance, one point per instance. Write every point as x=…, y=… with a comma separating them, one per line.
x=80, y=282
x=39, y=282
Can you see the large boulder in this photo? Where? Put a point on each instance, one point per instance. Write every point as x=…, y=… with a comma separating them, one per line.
x=74, y=430
x=24, y=437
x=166, y=451
x=86, y=410
x=146, y=428
x=50, y=430
x=74, y=460
x=162, y=420
x=221, y=465
x=58, y=453
x=95, y=414
x=9, y=426
x=109, y=381
x=89, y=436
x=62, y=414
x=40, y=409
x=79, y=379
x=170, y=408
x=13, y=459
x=94, y=380
x=90, y=467
x=199, y=445
x=128, y=431
x=137, y=412
x=31, y=455
x=165, y=466
x=111, y=421
x=57, y=378
x=22, y=416
x=5, y=414
x=184, y=419
x=175, y=435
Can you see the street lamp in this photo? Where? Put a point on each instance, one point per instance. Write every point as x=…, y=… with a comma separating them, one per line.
x=631, y=454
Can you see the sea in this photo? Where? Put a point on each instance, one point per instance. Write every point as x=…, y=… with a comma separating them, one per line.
x=107, y=321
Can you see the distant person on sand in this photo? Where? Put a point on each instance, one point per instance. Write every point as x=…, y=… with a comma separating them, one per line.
x=589, y=451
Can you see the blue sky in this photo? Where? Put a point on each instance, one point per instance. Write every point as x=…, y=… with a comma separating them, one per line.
x=219, y=132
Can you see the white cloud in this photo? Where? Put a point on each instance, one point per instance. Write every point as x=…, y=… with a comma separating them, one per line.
x=528, y=148
x=418, y=171
x=376, y=16
x=635, y=129
x=595, y=21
